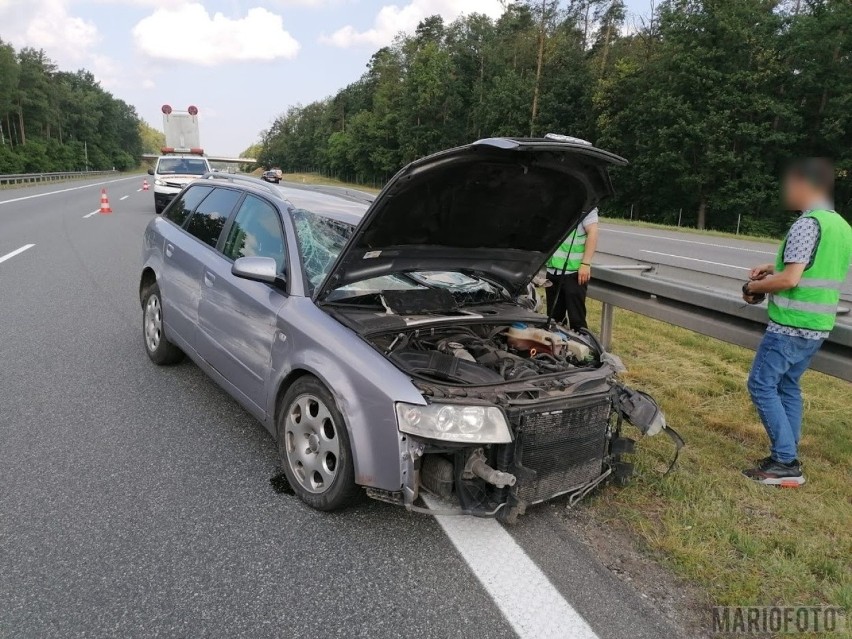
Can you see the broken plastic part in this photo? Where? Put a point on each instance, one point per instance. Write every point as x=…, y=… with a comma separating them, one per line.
x=614, y=361
x=476, y=465
x=641, y=410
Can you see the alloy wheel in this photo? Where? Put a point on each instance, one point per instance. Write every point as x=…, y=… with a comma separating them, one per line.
x=311, y=443
x=153, y=323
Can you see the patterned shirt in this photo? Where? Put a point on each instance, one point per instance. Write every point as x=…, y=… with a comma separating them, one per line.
x=802, y=242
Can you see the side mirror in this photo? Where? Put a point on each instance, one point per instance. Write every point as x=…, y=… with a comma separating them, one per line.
x=257, y=269
x=150, y=171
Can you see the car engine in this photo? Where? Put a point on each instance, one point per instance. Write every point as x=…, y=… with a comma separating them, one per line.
x=482, y=354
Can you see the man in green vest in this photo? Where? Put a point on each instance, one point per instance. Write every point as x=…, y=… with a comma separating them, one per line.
x=803, y=286
x=569, y=271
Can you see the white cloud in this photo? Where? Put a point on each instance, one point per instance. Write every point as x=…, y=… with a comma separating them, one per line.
x=48, y=25
x=188, y=33
x=393, y=18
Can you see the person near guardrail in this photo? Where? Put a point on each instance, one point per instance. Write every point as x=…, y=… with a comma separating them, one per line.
x=803, y=286
x=569, y=271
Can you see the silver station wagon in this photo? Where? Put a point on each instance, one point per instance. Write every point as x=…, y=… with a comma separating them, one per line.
x=384, y=342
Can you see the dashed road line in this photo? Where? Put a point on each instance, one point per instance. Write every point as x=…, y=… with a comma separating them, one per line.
x=73, y=188
x=123, y=198
x=18, y=251
x=695, y=259
x=677, y=239
x=95, y=212
x=528, y=600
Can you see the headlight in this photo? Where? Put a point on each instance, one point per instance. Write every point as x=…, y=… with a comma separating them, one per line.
x=454, y=423
x=159, y=183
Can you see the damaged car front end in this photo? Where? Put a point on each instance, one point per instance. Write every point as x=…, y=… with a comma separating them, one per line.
x=516, y=409
x=514, y=414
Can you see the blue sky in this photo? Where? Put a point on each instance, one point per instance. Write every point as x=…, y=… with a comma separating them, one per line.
x=242, y=62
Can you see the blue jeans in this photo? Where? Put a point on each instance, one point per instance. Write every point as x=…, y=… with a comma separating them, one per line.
x=773, y=384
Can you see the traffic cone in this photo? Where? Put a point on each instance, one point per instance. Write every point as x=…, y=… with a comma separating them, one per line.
x=104, y=203
x=144, y=185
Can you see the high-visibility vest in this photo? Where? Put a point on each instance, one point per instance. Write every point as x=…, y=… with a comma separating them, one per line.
x=812, y=303
x=570, y=251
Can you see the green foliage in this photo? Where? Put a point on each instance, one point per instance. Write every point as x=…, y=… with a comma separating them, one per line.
x=53, y=120
x=708, y=99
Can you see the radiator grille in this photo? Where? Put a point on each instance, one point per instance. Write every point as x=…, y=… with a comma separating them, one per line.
x=564, y=447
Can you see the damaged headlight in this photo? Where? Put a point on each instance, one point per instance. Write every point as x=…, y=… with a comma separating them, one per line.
x=454, y=423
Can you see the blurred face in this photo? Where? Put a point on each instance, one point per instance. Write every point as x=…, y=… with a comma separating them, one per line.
x=798, y=193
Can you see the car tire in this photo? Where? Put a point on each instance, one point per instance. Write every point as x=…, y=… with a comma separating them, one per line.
x=158, y=208
x=161, y=351
x=314, y=447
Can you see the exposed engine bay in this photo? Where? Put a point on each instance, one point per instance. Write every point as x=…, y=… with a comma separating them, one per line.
x=481, y=354
x=562, y=403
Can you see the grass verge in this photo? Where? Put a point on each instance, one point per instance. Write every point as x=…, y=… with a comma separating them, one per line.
x=744, y=543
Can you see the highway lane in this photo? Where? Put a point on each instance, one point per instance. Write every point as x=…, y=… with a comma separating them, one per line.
x=135, y=500
x=691, y=252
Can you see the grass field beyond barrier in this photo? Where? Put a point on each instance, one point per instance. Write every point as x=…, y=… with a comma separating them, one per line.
x=744, y=543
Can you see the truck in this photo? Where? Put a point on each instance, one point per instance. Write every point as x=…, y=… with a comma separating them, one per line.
x=182, y=159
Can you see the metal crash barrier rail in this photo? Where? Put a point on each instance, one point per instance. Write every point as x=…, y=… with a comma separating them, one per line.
x=705, y=310
x=34, y=178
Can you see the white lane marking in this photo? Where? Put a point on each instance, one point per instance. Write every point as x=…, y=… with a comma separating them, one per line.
x=677, y=239
x=9, y=256
x=123, y=198
x=95, y=212
x=530, y=603
x=138, y=190
x=73, y=188
x=695, y=259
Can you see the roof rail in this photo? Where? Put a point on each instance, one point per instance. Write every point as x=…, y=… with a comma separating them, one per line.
x=231, y=177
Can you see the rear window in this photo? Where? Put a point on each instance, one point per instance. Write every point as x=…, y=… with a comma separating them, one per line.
x=209, y=218
x=185, y=203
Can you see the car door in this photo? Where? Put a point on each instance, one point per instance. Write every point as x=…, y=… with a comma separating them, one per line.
x=238, y=317
x=187, y=252
x=180, y=282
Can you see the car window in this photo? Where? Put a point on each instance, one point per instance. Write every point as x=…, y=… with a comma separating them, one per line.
x=256, y=232
x=210, y=216
x=182, y=166
x=185, y=203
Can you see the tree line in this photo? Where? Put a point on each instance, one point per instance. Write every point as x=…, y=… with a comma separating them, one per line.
x=52, y=120
x=707, y=99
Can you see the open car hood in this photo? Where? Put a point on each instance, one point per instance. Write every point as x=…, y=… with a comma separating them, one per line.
x=496, y=209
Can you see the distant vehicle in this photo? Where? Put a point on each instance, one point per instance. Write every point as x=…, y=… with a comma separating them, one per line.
x=273, y=176
x=174, y=171
x=383, y=346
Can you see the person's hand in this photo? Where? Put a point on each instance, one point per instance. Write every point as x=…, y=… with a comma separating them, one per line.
x=752, y=298
x=584, y=274
x=759, y=272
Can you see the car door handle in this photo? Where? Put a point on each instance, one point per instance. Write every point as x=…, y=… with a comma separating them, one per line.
x=209, y=278
x=170, y=248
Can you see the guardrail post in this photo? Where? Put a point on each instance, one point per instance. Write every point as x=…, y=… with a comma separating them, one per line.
x=607, y=318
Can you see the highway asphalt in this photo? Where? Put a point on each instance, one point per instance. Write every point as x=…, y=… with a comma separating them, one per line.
x=135, y=501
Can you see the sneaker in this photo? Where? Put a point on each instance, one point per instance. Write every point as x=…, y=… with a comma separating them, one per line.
x=773, y=473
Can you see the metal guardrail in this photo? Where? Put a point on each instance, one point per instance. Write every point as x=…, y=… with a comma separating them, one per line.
x=35, y=178
x=704, y=310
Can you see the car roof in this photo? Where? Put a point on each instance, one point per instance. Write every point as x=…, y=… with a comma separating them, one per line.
x=340, y=204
